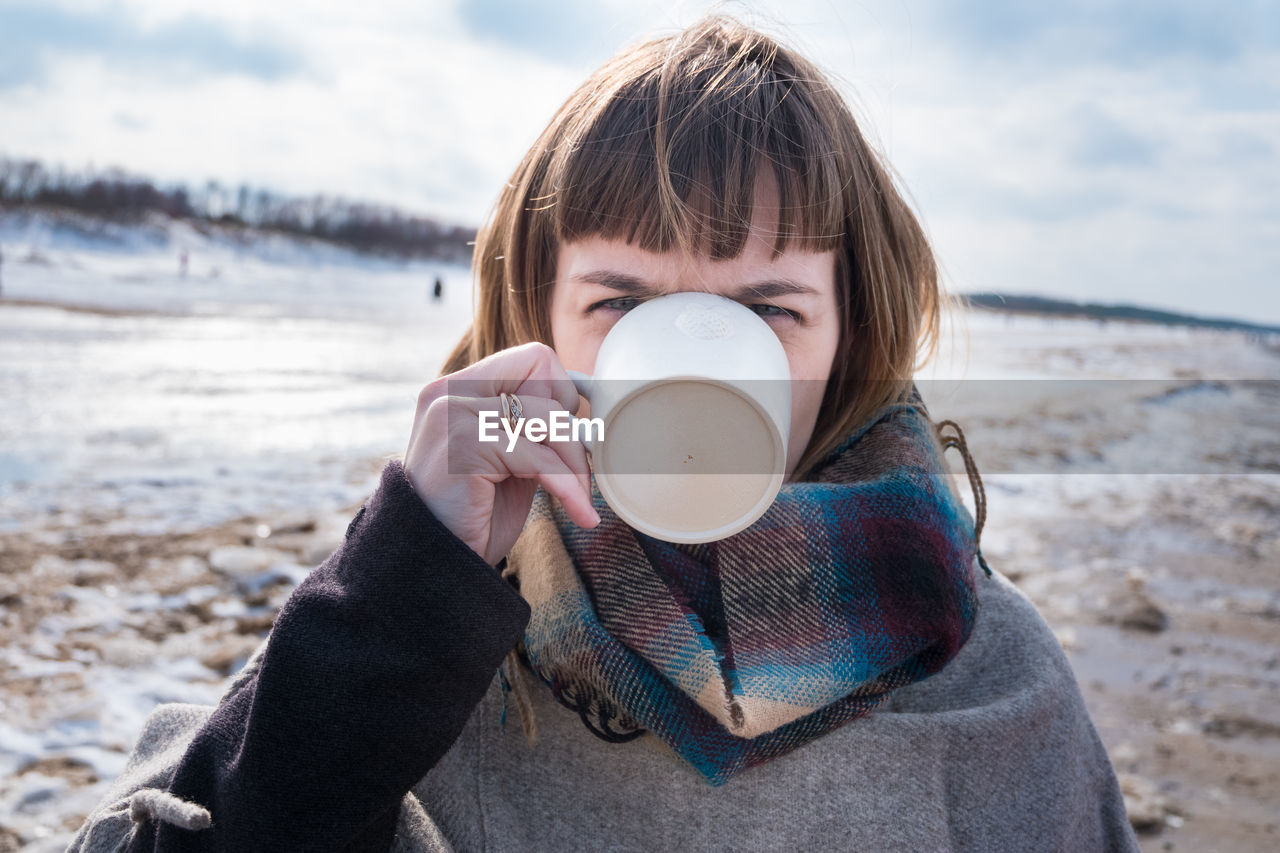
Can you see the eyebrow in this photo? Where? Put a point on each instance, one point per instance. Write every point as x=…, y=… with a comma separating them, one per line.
x=635, y=286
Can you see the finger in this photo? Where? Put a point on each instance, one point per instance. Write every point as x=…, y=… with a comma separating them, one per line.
x=532, y=368
x=559, y=436
x=538, y=461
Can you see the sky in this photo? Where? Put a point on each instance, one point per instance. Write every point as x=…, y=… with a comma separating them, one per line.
x=1088, y=150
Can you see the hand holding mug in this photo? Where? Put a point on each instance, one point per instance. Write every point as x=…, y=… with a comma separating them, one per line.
x=481, y=491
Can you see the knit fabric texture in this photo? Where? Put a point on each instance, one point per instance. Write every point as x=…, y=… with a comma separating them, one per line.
x=738, y=651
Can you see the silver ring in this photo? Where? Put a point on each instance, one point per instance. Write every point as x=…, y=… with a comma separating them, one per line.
x=512, y=411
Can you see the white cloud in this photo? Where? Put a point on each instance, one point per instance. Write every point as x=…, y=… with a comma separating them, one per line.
x=1144, y=168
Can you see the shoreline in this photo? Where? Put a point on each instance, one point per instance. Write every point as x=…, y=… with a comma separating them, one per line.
x=86, y=308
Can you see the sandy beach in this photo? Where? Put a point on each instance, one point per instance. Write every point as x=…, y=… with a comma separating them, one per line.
x=172, y=465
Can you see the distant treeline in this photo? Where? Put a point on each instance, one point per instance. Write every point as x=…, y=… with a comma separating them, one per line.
x=1101, y=311
x=115, y=195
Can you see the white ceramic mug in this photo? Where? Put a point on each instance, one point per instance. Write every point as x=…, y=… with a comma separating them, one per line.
x=694, y=392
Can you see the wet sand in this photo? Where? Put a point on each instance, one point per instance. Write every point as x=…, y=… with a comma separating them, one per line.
x=1177, y=652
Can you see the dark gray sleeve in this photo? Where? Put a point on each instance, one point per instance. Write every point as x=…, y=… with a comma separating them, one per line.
x=373, y=666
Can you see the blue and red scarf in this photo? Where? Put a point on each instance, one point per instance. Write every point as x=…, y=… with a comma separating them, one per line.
x=738, y=651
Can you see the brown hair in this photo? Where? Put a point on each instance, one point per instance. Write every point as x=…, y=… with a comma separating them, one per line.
x=663, y=146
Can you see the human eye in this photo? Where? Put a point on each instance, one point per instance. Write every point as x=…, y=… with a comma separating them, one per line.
x=620, y=304
x=775, y=311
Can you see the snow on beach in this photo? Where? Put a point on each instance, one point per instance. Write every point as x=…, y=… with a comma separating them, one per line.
x=195, y=399
x=177, y=451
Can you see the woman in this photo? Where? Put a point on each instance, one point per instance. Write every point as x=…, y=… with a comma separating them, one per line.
x=821, y=678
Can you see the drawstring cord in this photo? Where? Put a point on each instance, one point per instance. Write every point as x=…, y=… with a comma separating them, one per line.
x=975, y=482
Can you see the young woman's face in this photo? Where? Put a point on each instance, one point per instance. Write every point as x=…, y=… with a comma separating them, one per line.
x=597, y=281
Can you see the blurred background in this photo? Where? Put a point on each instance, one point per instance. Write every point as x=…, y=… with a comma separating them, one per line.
x=234, y=243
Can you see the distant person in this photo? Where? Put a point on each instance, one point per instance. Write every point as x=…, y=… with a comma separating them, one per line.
x=437, y=292
x=182, y=264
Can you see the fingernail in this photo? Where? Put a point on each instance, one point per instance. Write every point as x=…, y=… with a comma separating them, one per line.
x=596, y=515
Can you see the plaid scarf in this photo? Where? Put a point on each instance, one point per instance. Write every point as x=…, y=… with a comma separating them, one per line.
x=737, y=651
